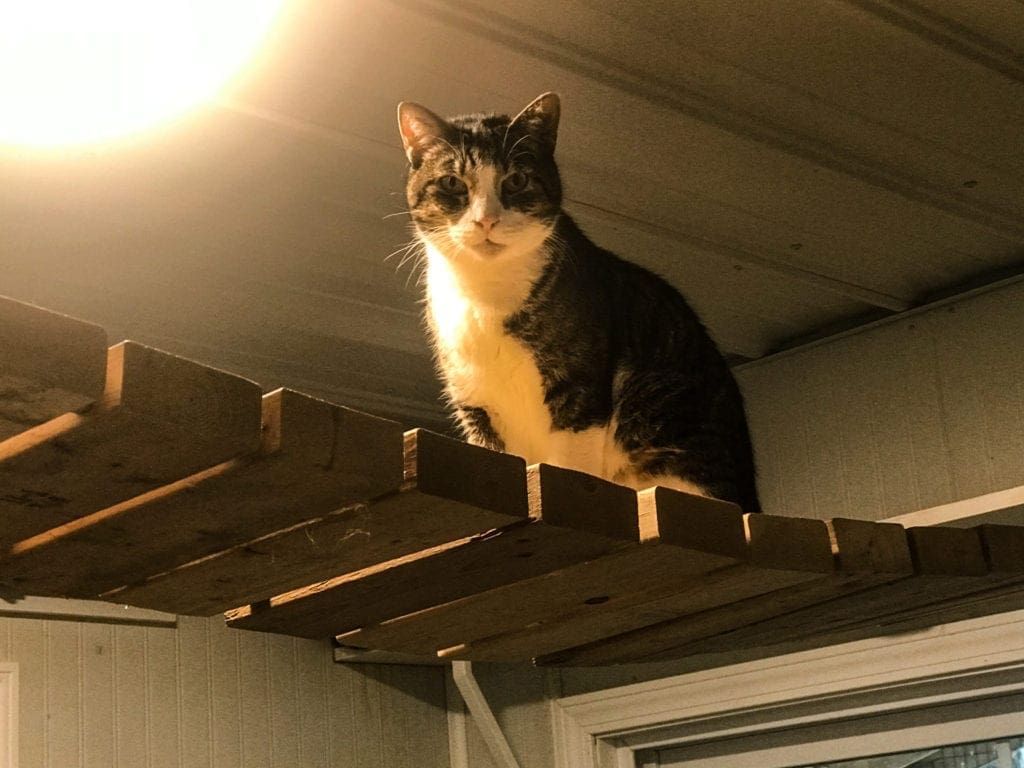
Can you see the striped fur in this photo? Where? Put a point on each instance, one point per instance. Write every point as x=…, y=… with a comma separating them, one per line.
x=549, y=346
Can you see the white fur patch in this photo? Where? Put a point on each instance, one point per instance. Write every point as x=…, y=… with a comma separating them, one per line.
x=478, y=275
x=486, y=368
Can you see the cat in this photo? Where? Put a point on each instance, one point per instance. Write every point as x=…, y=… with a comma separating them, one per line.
x=549, y=346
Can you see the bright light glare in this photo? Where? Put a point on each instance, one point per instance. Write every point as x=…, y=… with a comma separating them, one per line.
x=76, y=71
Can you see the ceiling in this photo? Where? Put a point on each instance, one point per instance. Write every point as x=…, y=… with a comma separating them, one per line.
x=793, y=167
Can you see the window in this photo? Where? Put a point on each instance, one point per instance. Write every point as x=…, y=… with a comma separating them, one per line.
x=953, y=684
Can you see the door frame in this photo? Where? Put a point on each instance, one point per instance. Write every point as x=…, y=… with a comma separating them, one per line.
x=955, y=682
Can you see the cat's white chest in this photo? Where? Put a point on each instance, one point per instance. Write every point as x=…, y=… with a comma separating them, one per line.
x=485, y=367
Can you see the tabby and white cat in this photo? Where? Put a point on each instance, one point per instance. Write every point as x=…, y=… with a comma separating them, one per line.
x=549, y=346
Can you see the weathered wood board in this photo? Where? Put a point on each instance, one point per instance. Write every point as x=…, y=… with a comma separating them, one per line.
x=141, y=478
x=314, y=458
x=450, y=491
x=50, y=364
x=775, y=575
x=161, y=418
x=917, y=569
x=679, y=555
x=938, y=592
x=559, y=532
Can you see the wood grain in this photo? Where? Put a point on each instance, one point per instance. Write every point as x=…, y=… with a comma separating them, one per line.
x=50, y=364
x=586, y=598
x=859, y=556
x=162, y=418
x=938, y=574
x=560, y=532
x=314, y=458
x=946, y=586
x=415, y=518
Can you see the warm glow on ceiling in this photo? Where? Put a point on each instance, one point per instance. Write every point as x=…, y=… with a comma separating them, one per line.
x=76, y=71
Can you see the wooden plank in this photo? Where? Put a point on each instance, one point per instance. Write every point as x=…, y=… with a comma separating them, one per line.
x=561, y=531
x=162, y=418
x=50, y=364
x=950, y=569
x=91, y=612
x=772, y=550
x=1002, y=589
x=314, y=458
x=866, y=554
x=942, y=596
x=343, y=655
x=946, y=563
x=1004, y=549
x=451, y=490
x=635, y=576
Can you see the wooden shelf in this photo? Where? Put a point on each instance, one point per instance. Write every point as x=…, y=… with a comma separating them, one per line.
x=133, y=476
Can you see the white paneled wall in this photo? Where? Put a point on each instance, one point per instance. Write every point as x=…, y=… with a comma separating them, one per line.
x=204, y=696
x=903, y=416
x=518, y=695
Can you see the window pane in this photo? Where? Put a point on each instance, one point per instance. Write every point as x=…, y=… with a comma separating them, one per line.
x=1004, y=753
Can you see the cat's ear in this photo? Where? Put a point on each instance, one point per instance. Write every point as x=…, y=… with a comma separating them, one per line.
x=540, y=118
x=420, y=128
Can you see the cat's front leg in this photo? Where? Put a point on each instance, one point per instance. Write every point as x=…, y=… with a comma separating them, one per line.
x=477, y=428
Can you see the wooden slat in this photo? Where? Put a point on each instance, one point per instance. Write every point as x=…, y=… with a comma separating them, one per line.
x=950, y=573
x=1004, y=549
x=938, y=593
x=625, y=580
x=451, y=490
x=50, y=364
x=162, y=418
x=315, y=458
x=866, y=554
x=561, y=531
x=775, y=546
x=343, y=655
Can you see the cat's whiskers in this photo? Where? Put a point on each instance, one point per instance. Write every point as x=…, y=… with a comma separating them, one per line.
x=416, y=251
x=403, y=249
x=512, y=149
x=450, y=146
x=413, y=251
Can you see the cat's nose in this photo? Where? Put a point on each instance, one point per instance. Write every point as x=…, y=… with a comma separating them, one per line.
x=486, y=221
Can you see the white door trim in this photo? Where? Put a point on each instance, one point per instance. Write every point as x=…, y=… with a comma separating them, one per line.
x=8, y=714
x=970, y=660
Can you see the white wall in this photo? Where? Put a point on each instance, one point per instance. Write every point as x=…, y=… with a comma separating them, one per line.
x=903, y=416
x=518, y=696
x=204, y=696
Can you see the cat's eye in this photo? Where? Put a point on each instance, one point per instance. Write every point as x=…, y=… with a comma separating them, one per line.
x=451, y=184
x=516, y=181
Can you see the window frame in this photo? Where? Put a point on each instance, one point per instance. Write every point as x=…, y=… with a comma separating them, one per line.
x=952, y=682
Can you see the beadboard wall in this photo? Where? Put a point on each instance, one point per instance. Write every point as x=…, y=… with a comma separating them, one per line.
x=203, y=696
x=898, y=417
x=519, y=696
